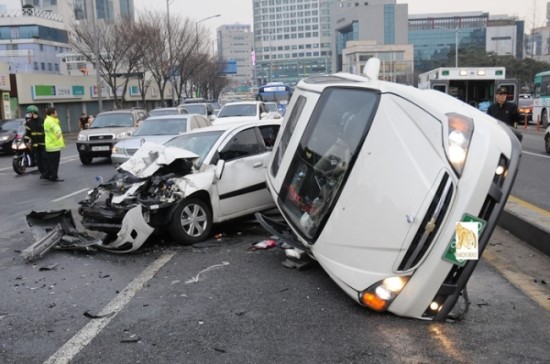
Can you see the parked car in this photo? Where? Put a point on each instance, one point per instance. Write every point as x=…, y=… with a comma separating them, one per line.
x=8, y=132
x=168, y=111
x=241, y=111
x=525, y=106
x=105, y=131
x=194, y=180
x=395, y=191
x=156, y=129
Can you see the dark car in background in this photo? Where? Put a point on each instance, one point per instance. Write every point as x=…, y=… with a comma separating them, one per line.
x=8, y=131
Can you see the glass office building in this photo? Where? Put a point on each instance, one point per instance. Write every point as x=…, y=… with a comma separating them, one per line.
x=437, y=38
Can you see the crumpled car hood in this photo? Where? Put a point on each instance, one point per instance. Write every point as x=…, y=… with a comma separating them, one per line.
x=150, y=157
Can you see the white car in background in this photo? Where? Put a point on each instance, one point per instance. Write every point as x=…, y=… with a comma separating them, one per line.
x=202, y=177
x=395, y=191
x=242, y=111
x=156, y=129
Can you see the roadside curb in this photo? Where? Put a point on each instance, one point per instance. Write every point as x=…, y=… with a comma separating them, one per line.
x=527, y=222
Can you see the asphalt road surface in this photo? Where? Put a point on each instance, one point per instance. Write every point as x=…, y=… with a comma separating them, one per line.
x=219, y=301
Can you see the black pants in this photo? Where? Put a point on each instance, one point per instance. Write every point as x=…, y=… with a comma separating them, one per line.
x=39, y=154
x=52, y=165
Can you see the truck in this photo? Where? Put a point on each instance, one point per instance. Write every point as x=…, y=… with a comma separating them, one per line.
x=473, y=85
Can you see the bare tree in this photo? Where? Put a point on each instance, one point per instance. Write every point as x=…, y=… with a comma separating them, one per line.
x=118, y=52
x=209, y=79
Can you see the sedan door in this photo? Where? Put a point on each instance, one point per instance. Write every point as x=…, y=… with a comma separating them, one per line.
x=242, y=188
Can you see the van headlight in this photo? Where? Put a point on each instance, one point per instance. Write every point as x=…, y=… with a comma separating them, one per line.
x=380, y=295
x=82, y=137
x=460, y=131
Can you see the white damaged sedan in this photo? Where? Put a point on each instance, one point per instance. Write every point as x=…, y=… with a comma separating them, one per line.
x=205, y=176
x=395, y=191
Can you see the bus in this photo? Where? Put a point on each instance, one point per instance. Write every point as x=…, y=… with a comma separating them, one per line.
x=541, y=98
x=275, y=91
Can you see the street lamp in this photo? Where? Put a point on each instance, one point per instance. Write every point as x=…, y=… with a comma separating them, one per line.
x=197, y=32
x=200, y=21
x=96, y=63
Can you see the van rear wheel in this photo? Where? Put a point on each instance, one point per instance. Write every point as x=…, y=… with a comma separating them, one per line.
x=544, y=118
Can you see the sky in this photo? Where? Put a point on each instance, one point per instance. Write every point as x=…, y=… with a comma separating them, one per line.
x=240, y=11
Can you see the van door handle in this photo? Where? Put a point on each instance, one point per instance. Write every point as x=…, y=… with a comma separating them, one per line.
x=257, y=164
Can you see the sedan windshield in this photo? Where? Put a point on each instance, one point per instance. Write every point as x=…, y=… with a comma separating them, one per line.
x=121, y=120
x=198, y=143
x=237, y=110
x=162, y=127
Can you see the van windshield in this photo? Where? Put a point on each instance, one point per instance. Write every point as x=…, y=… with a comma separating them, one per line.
x=326, y=153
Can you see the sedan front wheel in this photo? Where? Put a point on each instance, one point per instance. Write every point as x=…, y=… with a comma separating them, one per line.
x=191, y=222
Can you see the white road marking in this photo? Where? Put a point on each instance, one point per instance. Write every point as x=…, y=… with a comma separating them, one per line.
x=537, y=155
x=71, y=194
x=82, y=338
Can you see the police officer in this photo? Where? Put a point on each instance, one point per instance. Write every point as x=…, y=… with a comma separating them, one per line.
x=54, y=143
x=503, y=110
x=34, y=138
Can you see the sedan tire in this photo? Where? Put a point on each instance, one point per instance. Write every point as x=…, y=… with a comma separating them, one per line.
x=191, y=221
x=86, y=159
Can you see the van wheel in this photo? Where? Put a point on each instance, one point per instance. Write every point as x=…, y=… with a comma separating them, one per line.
x=544, y=118
x=86, y=159
x=191, y=221
x=547, y=143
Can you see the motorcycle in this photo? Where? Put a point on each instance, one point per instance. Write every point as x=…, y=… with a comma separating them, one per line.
x=22, y=155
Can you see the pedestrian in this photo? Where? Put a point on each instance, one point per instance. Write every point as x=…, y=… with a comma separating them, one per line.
x=504, y=110
x=83, y=121
x=54, y=143
x=34, y=138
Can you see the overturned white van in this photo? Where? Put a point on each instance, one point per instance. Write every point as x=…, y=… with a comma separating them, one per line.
x=395, y=191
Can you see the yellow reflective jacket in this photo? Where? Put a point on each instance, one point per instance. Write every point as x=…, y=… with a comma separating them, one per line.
x=53, y=135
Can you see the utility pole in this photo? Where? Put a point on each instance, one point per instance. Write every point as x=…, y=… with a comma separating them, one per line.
x=96, y=56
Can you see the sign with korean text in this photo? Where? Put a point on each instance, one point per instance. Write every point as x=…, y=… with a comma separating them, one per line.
x=40, y=92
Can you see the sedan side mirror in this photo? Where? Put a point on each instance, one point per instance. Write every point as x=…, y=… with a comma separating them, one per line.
x=264, y=115
x=219, y=168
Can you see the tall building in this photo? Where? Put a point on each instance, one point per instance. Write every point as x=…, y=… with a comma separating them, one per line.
x=31, y=39
x=380, y=21
x=505, y=36
x=105, y=9
x=438, y=38
x=292, y=39
x=235, y=44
